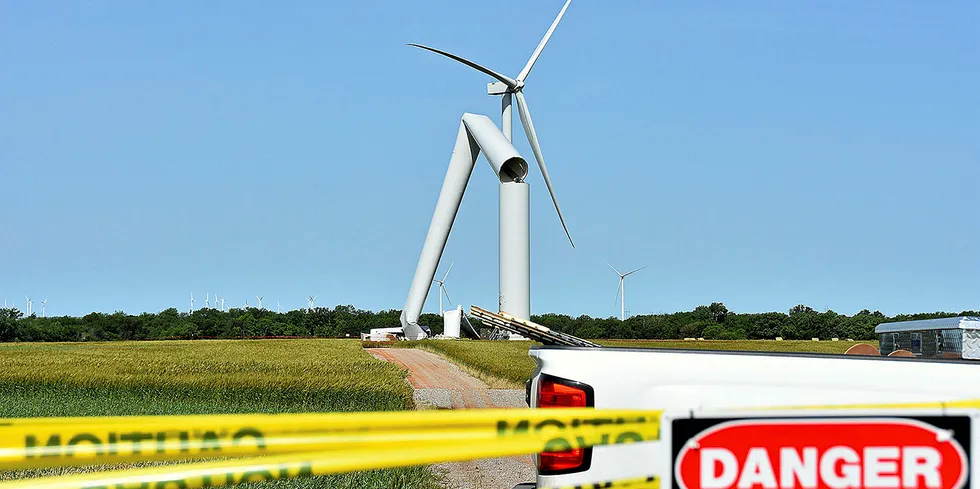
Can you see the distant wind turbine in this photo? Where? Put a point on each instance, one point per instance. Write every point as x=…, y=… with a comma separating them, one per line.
x=442, y=289
x=311, y=299
x=223, y=303
x=259, y=297
x=192, y=302
x=43, y=311
x=277, y=307
x=30, y=305
x=621, y=291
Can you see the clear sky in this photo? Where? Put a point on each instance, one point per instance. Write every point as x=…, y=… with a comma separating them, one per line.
x=760, y=153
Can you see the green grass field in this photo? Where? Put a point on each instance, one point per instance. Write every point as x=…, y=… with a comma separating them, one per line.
x=223, y=376
x=788, y=346
x=509, y=361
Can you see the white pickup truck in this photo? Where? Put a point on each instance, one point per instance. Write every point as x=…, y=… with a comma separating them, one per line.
x=697, y=380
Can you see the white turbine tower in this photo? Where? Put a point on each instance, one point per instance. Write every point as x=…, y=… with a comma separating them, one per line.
x=44, y=312
x=514, y=211
x=192, y=302
x=30, y=305
x=442, y=288
x=223, y=303
x=207, y=300
x=621, y=291
x=259, y=297
x=277, y=307
x=310, y=299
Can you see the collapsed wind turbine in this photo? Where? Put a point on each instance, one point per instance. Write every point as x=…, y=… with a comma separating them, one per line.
x=514, y=211
x=621, y=291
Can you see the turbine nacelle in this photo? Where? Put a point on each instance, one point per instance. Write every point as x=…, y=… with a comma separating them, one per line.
x=497, y=88
x=501, y=88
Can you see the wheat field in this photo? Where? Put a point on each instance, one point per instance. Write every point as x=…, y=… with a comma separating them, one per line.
x=202, y=377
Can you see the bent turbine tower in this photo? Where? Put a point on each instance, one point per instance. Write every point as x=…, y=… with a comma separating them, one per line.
x=476, y=133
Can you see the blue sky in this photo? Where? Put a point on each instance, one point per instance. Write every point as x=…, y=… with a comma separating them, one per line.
x=760, y=153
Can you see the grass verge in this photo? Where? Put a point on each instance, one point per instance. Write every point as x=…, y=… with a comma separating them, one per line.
x=504, y=364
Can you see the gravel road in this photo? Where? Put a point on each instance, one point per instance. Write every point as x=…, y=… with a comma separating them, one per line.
x=441, y=384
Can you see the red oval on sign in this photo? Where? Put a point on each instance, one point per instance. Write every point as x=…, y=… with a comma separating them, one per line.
x=822, y=454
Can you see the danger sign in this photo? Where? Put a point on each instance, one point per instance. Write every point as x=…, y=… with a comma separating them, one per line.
x=821, y=453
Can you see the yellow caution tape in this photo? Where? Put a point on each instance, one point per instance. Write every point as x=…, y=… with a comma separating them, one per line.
x=551, y=430
x=32, y=443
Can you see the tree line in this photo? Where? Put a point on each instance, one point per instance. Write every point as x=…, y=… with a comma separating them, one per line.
x=712, y=321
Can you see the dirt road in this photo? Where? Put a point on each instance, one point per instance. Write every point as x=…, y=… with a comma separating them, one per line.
x=441, y=384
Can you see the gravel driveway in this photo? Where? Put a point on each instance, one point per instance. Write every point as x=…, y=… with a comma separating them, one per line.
x=441, y=384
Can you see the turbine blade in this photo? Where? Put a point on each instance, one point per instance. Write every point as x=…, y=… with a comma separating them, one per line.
x=618, y=289
x=614, y=268
x=533, y=139
x=637, y=270
x=445, y=291
x=447, y=271
x=537, y=50
x=504, y=78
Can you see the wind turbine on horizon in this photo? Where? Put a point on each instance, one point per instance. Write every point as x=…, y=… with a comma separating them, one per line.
x=514, y=193
x=259, y=297
x=192, y=302
x=43, y=310
x=311, y=299
x=621, y=291
x=442, y=288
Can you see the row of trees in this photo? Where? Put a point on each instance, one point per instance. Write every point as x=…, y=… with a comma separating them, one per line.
x=713, y=321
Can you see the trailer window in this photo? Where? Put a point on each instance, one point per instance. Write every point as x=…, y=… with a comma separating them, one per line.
x=916, y=342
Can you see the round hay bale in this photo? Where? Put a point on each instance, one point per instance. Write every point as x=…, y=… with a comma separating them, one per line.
x=863, y=349
x=901, y=353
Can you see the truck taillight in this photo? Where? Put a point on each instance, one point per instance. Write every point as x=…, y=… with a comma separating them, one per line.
x=554, y=392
